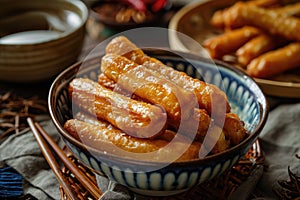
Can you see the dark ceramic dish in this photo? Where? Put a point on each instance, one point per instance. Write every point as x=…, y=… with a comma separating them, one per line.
x=245, y=97
x=105, y=12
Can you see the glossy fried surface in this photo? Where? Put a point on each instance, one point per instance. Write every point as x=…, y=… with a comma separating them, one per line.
x=109, y=139
x=275, y=62
x=200, y=118
x=258, y=46
x=230, y=41
x=144, y=83
x=219, y=17
x=108, y=134
x=142, y=109
x=137, y=118
x=269, y=20
x=207, y=94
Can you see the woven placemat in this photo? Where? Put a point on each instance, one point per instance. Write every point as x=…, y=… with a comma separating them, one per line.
x=221, y=187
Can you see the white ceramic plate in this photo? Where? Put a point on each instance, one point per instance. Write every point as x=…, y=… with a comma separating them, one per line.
x=193, y=21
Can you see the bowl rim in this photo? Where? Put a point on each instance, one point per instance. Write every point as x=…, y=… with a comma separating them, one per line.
x=85, y=13
x=263, y=106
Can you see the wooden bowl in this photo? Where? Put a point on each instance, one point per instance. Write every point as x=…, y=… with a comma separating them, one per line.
x=192, y=21
x=38, y=40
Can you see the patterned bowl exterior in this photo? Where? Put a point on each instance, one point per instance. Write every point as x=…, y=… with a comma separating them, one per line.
x=245, y=97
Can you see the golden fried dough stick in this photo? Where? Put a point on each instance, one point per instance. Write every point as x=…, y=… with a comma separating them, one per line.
x=218, y=17
x=234, y=128
x=124, y=47
x=111, y=85
x=275, y=62
x=107, y=133
x=199, y=118
x=106, y=82
x=207, y=94
x=167, y=135
x=230, y=41
x=215, y=141
x=112, y=140
x=289, y=10
x=136, y=118
x=88, y=118
x=257, y=46
x=268, y=20
x=146, y=84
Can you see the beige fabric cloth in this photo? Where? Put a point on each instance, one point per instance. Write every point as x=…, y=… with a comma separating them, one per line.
x=280, y=141
x=23, y=154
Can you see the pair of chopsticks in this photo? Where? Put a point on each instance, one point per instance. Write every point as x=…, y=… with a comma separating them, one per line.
x=45, y=142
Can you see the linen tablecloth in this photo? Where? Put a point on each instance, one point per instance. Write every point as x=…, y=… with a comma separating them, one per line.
x=279, y=140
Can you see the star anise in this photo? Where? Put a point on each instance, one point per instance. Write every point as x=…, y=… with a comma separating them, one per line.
x=289, y=189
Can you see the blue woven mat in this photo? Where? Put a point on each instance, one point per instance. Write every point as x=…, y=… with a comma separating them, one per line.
x=10, y=183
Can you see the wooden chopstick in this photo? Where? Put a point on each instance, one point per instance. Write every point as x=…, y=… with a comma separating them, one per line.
x=87, y=183
x=51, y=161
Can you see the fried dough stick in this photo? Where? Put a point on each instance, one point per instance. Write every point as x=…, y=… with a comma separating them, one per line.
x=275, y=62
x=233, y=127
x=207, y=94
x=136, y=118
x=216, y=142
x=107, y=138
x=268, y=20
x=289, y=10
x=230, y=41
x=199, y=118
x=218, y=17
x=146, y=84
x=167, y=135
x=257, y=46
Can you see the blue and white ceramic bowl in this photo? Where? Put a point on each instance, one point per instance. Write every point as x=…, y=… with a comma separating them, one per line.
x=245, y=97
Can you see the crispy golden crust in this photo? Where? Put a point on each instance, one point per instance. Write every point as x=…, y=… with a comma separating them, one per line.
x=111, y=121
x=257, y=46
x=137, y=118
x=167, y=135
x=269, y=20
x=122, y=46
x=219, y=16
x=94, y=135
x=144, y=83
x=206, y=94
x=106, y=82
x=230, y=41
x=289, y=10
x=215, y=141
x=234, y=128
x=275, y=62
x=109, y=139
x=209, y=97
x=200, y=118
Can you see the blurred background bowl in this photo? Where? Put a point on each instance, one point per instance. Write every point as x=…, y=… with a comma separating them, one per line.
x=120, y=16
x=108, y=17
x=39, y=39
x=245, y=97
